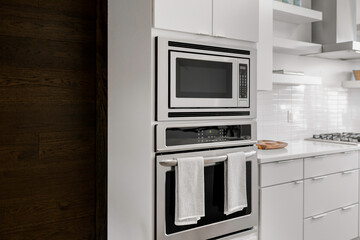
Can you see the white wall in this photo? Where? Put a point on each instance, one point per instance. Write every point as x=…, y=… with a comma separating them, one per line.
x=130, y=167
x=315, y=109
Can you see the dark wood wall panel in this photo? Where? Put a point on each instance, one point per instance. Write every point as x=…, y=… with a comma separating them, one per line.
x=47, y=119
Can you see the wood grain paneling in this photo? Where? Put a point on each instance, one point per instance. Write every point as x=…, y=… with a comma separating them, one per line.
x=45, y=24
x=77, y=228
x=48, y=119
x=101, y=118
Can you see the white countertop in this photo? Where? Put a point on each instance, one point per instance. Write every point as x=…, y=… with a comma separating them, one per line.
x=303, y=149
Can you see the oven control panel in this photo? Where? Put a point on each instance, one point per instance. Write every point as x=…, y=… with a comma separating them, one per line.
x=207, y=134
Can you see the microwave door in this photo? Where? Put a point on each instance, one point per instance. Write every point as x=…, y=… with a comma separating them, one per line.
x=203, y=81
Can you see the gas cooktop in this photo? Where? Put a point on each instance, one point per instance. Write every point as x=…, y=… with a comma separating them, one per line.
x=345, y=137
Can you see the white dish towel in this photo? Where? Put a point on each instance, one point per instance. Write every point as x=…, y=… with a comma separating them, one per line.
x=235, y=183
x=189, y=190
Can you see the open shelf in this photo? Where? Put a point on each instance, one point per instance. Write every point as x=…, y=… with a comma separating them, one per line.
x=294, y=47
x=351, y=84
x=286, y=12
x=287, y=79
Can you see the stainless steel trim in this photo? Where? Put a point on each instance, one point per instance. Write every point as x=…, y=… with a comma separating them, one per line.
x=207, y=160
x=319, y=216
x=349, y=172
x=318, y=178
x=203, y=102
x=348, y=207
x=161, y=135
x=331, y=141
x=287, y=161
x=211, y=230
x=163, y=83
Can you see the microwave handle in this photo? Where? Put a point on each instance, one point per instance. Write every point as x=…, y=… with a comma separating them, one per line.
x=207, y=160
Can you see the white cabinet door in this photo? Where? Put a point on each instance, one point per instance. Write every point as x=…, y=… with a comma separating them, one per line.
x=281, y=212
x=326, y=193
x=341, y=224
x=185, y=15
x=237, y=19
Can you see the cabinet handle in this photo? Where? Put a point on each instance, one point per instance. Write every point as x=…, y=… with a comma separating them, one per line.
x=287, y=161
x=219, y=36
x=317, y=157
x=348, y=172
x=347, y=152
x=202, y=33
x=319, y=178
x=319, y=216
x=298, y=182
x=347, y=208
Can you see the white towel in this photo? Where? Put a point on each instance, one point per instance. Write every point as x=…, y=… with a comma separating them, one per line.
x=235, y=183
x=189, y=190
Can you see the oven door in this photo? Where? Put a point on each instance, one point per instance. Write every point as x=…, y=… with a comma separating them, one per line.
x=203, y=81
x=215, y=223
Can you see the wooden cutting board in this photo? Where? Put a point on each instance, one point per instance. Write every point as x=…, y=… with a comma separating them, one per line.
x=270, y=144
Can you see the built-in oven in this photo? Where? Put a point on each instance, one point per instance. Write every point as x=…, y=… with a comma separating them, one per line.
x=212, y=142
x=196, y=80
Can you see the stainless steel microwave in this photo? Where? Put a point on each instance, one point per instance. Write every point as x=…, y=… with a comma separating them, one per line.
x=197, y=81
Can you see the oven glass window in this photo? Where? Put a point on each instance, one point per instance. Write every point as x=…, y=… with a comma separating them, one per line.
x=203, y=79
x=214, y=198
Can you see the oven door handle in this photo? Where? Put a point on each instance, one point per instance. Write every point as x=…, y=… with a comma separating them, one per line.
x=207, y=160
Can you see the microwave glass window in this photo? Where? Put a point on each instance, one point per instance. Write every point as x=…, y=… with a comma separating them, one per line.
x=203, y=79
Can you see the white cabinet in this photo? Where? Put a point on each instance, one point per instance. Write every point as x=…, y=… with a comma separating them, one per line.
x=238, y=19
x=323, y=205
x=326, y=193
x=185, y=15
x=281, y=172
x=327, y=164
x=340, y=224
x=281, y=212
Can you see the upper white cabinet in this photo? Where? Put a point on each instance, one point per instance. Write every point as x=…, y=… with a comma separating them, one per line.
x=185, y=15
x=238, y=19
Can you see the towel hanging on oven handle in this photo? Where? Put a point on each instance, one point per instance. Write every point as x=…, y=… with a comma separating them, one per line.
x=207, y=160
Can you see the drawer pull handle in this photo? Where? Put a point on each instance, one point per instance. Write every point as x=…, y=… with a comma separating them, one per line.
x=316, y=157
x=202, y=33
x=319, y=216
x=347, y=208
x=347, y=152
x=298, y=182
x=319, y=178
x=348, y=172
x=282, y=162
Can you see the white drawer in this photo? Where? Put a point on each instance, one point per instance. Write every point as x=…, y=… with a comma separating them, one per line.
x=341, y=224
x=281, y=172
x=326, y=193
x=327, y=164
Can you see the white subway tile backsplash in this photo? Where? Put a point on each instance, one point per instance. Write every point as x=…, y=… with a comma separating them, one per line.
x=313, y=109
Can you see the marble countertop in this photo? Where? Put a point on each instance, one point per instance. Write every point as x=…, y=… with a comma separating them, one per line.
x=303, y=149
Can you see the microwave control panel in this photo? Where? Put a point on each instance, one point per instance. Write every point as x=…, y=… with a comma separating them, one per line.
x=243, y=81
x=209, y=134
